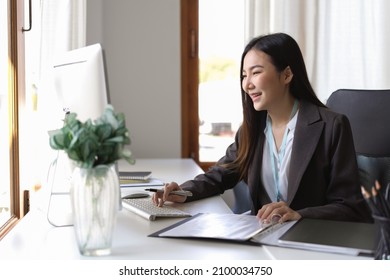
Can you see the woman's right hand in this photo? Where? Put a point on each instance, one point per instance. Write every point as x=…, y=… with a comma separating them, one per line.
x=159, y=198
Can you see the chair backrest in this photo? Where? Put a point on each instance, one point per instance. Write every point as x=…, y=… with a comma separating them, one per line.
x=369, y=114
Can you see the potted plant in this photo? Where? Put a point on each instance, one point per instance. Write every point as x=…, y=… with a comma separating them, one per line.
x=94, y=147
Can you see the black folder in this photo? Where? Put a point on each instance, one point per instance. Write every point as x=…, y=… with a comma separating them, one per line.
x=350, y=238
x=228, y=227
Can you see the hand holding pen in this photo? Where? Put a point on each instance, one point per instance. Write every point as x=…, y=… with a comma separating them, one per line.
x=171, y=192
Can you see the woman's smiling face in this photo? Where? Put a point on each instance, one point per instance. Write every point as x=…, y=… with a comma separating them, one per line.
x=261, y=81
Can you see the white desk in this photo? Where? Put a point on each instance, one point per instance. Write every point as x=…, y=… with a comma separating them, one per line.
x=35, y=238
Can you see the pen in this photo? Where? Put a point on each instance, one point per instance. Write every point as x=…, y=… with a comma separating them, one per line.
x=182, y=193
x=382, y=203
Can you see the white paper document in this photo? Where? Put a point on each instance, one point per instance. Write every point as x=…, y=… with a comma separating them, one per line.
x=218, y=226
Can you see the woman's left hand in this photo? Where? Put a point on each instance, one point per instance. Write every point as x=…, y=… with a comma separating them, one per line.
x=277, y=212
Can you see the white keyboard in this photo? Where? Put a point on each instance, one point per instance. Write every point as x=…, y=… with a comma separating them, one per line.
x=145, y=208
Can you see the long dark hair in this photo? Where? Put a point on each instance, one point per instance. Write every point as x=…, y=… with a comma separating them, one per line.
x=283, y=51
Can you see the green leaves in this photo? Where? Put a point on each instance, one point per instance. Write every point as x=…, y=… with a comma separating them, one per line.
x=93, y=143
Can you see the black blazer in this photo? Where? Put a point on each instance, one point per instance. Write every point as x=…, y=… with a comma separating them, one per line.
x=323, y=178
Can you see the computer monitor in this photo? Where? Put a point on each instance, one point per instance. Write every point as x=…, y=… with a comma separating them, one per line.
x=80, y=82
x=80, y=86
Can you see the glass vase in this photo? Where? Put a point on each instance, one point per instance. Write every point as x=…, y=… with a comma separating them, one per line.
x=95, y=203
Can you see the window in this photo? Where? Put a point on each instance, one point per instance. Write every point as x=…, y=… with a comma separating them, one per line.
x=23, y=132
x=221, y=41
x=10, y=37
x=5, y=203
x=212, y=42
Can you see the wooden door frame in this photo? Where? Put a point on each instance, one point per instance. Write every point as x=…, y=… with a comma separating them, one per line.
x=189, y=22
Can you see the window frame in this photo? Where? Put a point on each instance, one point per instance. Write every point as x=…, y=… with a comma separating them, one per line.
x=15, y=79
x=189, y=19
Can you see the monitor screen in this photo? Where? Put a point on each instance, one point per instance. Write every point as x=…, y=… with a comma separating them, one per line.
x=80, y=83
x=80, y=86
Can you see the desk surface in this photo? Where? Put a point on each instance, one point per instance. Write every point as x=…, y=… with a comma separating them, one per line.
x=35, y=238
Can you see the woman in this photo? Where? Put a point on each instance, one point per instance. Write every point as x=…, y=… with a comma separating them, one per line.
x=296, y=156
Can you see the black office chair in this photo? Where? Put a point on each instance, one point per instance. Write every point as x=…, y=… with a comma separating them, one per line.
x=369, y=114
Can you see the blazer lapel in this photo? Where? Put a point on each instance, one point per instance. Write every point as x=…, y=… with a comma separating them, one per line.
x=307, y=134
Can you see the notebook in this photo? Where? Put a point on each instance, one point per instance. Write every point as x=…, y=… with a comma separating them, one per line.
x=138, y=179
x=146, y=209
x=349, y=238
x=135, y=175
x=153, y=182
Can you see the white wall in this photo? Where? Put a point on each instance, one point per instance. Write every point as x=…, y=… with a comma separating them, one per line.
x=141, y=40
